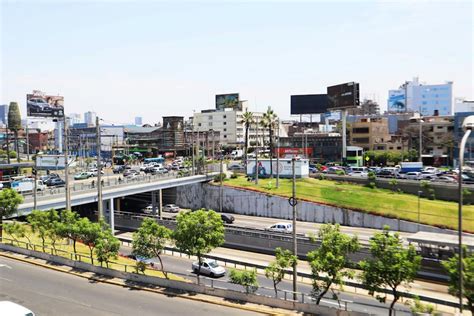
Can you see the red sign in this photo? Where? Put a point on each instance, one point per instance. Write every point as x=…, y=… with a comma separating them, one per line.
x=292, y=151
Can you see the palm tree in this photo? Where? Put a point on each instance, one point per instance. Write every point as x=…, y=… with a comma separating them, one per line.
x=14, y=124
x=247, y=120
x=269, y=121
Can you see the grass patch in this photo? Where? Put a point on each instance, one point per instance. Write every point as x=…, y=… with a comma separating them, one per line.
x=65, y=250
x=370, y=200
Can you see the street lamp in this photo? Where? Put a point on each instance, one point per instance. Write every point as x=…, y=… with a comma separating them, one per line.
x=421, y=138
x=467, y=125
x=419, y=196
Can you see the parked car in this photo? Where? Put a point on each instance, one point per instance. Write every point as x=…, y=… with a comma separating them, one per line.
x=227, y=218
x=55, y=182
x=171, y=208
x=82, y=176
x=236, y=167
x=209, y=267
x=281, y=227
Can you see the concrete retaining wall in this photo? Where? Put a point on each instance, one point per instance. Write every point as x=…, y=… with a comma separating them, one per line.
x=183, y=286
x=248, y=202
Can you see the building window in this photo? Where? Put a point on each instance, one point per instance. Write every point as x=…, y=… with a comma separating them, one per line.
x=210, y=124
x=225, y=116
x=210, y=117
x=225, y=136
x=225, y=123
x=225, y=129
x=199, y=124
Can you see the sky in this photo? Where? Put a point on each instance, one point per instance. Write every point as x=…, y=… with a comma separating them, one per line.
x=123, y=59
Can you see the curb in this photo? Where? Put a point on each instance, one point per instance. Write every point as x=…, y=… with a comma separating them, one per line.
x=143, y=288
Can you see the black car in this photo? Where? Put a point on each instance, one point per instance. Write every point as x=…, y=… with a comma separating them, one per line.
x=227, y=218
x=55, y=182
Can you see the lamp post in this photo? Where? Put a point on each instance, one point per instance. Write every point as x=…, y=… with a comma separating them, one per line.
x=419, y=196
x=421, y=138
x=467, y=125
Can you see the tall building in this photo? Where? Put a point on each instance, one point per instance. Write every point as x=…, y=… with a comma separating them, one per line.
x=138, y=121
x=75, y=118
x=89, y=118
x=461, y=105
x=4, y=114
x=427, y=99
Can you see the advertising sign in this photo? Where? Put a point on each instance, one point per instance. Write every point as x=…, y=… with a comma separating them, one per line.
x=50, y=162
x=290, y=152
x=343, y=96
x=309, y=104
x=41, y=105
x=231, y=100
x=284, y=167
x=396, y=101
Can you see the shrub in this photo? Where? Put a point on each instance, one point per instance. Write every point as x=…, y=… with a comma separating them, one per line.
x=220, y=177
x=418, y=307
x=234, y=175
x=247, y=279
x=340, y=172
x=371, y=185
x=322, y=177
x=371, y=176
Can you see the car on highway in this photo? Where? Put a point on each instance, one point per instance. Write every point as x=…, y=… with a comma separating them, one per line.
x=358, y=174
x=227, y=218
x=9, y=308
x=209, y=267
x=159, y=170
x=445, y=179
x=131, y=173
x=413, y=175
x=55, y=182
x=171, y=208
x=119, y=169
x=82, y=176
x=281, y=227
x=93, y=172
x=236, y=167
x=148, y=209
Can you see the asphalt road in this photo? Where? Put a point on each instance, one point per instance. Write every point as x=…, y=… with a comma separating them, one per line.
x=182, y=265
x=48, y=292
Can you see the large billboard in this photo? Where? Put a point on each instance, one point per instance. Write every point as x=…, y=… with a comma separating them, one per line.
x=309, y=104
x=50, y=162
x=231, y=100
x=396, y=101
x=42, y=105
x=343, y=96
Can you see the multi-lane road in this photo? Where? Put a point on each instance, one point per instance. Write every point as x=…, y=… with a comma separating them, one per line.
x=48, y=292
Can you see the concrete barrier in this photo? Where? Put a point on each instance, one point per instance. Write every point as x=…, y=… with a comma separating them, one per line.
x=247, y=202
x=183, y=286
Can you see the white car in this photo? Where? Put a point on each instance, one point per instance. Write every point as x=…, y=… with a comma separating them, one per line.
x=209, y=267
x=358, y=174
x=148, y=209
x=281, y=228
x=412, y=175
x=171, y=208
x=13, y=309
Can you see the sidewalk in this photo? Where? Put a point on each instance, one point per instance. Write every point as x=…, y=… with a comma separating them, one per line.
x=418, y=287
x=144, y=287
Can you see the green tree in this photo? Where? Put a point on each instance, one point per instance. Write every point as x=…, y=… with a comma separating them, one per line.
x=89, y=234
x=247, y=120
x=42, y=222
x=107, y=247
x=393, y=264
x=150, y=240
x=329, y=261
x=247, y=279
x=275, y=271
x=9, y=202
x=451, y=267
x=53, y=232
x=14, y=123
x=197, y=233
x=16, y=230
x=269, y=121
x=68, y=228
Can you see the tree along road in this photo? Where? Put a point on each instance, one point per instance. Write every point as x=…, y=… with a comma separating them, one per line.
x=48, y=292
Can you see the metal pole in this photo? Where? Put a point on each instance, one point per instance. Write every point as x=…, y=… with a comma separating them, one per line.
x=35, y=191
x=460, y=201
x=160, y=200
x=220, y=186
x=344, y=136
x=192, y=143
x=295, y=245
x=8, y=144
x=256, y=152
x=419, y=196
x=27, y=142
x=100, y=206
x=421, y=139
x=278, y=156
x=66, y=166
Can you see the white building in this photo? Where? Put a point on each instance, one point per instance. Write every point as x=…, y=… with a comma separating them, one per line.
x=138, y=121
x=462, y=105
x=75, y=118
x=230, y=126
x=89, y=118
x=428, y=99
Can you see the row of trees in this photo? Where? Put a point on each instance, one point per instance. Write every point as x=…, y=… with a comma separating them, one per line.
x=394, y=157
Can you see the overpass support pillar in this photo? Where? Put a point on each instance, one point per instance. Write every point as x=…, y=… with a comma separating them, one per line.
x=161, y=202
x=112, y=215
x=153, y=202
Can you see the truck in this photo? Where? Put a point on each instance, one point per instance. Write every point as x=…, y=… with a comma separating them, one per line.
x=27, y=185
x=237, y=154
x=415, y=166
x=283, y=166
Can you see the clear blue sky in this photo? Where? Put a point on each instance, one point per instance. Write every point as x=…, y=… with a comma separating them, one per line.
x=152, y=58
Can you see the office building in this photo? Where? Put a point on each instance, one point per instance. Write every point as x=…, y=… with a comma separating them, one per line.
x=461, y=105
x=318, y=147
x=4, y=114
x=89, y=118
x=74, y=118
x=427, y=99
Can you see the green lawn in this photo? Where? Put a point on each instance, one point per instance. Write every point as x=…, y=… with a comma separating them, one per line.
x=375, y=201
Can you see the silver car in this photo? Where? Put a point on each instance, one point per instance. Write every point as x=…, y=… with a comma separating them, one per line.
x=171, y=208
x=209, y=267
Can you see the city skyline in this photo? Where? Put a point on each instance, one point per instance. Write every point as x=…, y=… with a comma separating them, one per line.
x=155, y=59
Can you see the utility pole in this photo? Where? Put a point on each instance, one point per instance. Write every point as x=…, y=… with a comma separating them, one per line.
x=256, y=151
x=35, y=190
x=66, y=166
x=8, y=144
x=27, y=141
x=100, y=206
x=278, y=155
x=192, y=151
x=344, y=136
x=295, y=244
x=221, y=192
x=421, y=139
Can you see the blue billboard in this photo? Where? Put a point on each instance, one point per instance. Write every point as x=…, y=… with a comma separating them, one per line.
x=396, y=101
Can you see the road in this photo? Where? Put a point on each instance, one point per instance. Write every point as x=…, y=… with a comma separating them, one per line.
x=182, y=265
x=48, y=292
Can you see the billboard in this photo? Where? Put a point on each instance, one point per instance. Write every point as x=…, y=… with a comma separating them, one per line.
x=50, y=162
x=231, y=100
x=343, y=96
x=41, y=105
x=309, y=104
x=396, y=101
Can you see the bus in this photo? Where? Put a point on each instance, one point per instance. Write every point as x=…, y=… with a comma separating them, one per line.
x=155, y=159
x=355, y=156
